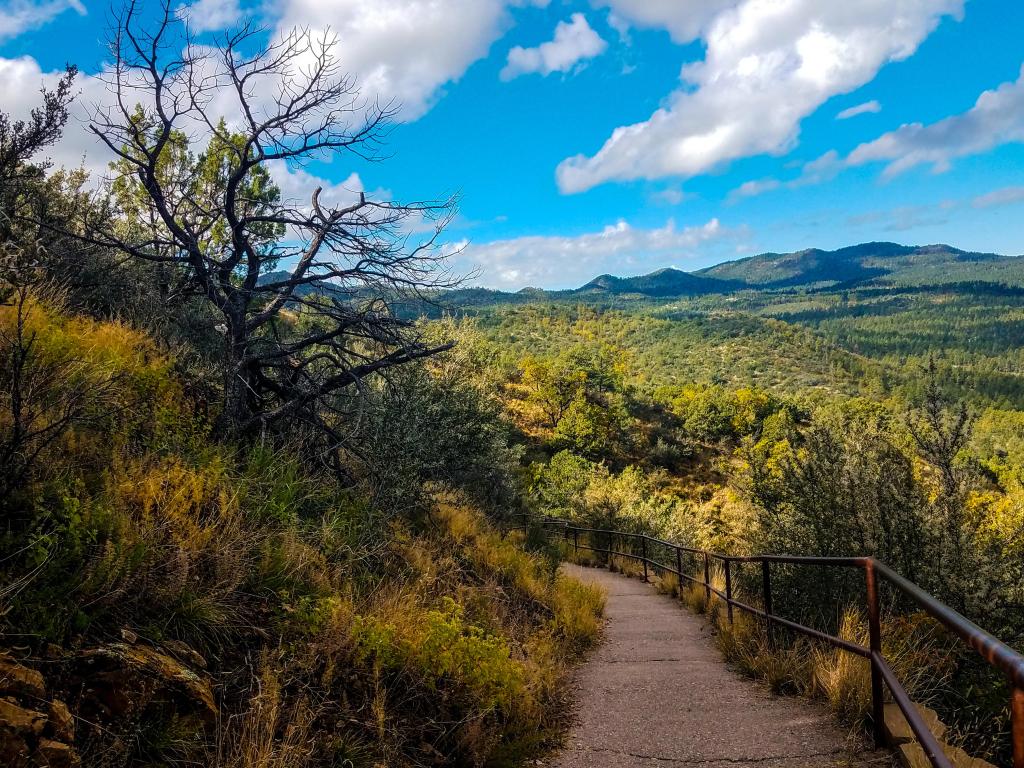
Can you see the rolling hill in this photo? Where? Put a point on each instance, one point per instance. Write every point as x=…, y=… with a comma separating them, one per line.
x=868, y=262
x=880, y=266
x=662, y=283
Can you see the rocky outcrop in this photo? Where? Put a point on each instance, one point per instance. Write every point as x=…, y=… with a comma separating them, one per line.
x=35, y=731
x=97, y=699
x=909, y=751
x=120, y=681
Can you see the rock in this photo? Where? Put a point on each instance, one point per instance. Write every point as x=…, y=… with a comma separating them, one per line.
x=28, y=737
x=961, y=759
x=19, y=728
x=184, y=652
x=897, y=729
x=14, y=752
x=60, y=724
x=119, y=680
x=912, y=756
x=129, y=637
x=54, y=754
x=17, y=719
x=19, y=680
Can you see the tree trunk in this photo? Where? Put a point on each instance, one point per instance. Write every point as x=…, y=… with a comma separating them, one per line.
x=239, y=402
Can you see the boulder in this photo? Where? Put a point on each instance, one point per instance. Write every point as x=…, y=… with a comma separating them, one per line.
x=19, y=730
x=60, y=724
x=18, y=680
x=15, y=718
x=911, y=755
x=185, y=653
x=897, y=729
x=961, y=759
x=119, y=681
x=55, y=754
x=34, y=732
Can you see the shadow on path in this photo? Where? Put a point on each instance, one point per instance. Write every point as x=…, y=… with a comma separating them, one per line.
x=657, y=693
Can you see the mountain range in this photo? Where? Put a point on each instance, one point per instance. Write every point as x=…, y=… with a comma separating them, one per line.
x=866, y=265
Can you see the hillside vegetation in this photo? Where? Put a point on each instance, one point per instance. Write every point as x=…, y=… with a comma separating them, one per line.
x=758, y=429
x=263, y=497
x=244, y=523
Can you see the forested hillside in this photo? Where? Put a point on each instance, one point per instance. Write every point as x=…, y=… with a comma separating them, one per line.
x=270, y=478
x=880, y=421
x=228, y=538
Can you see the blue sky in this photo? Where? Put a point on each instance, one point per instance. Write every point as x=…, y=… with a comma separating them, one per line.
x=622, y=136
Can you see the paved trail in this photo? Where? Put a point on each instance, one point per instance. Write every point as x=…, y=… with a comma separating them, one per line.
x=657, y=694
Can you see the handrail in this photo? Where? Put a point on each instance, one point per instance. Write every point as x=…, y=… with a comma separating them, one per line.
x=994, y=651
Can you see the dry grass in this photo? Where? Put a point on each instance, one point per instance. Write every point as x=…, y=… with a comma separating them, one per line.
x=920, y=654
x=842, y=679
x=270, y=732
x=667, y=583
x=332, y=633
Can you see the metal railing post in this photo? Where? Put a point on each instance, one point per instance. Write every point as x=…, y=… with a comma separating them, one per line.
x=576, y=541
x=766, y=585
x=707, y=579
x=875, y=636
x=679, y=569
x=728, y=588
x=1017, y=712
x=643, y=554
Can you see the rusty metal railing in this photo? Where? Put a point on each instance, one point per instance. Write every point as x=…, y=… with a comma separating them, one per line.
x=993, y=650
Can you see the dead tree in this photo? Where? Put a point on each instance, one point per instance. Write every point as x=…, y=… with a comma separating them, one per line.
x=297, y=338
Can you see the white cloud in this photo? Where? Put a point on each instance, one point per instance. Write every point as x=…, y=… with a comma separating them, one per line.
x=572, y=261
x=673, y=195
x=211, y=15
x=868, y=107
x=684, y=20
x=621, y=27
x=768, y=64
x=574, y=41
x=754, y=188
x=406, y=50
x=297, y=187
x=21, y=80
x=996, y=118
x=20, y=16
x=999, y=197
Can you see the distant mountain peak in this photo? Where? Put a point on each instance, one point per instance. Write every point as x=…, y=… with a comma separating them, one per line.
x=664, y=282
x=853, y=265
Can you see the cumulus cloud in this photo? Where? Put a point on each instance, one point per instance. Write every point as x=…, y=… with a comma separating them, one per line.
x=405, y=50
x=574, y=41
x=768, y=64
x=211, y=15
x=754, y=188
x=673, y=195
x=20, y=16
x=996, y=118
x=684, y=20
x=297, y=186
x=571, y=261
x=999, y=197
x=21, y=80
x=868, y=107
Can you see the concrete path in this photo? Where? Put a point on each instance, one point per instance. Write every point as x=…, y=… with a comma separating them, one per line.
x=657, y=693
